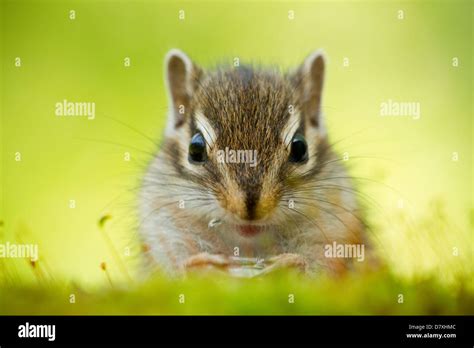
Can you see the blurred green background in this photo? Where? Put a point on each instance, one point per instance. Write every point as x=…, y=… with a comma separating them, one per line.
x=424, y=198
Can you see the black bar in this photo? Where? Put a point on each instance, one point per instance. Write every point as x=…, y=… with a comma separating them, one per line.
x=135, y=330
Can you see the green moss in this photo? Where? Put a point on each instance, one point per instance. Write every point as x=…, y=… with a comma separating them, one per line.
x=368, y=293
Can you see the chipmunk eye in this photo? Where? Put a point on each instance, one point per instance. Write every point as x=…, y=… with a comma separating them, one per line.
x=197, y=149
x=299, y=149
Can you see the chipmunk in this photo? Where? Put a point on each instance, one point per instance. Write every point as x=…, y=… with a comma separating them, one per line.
x=199, y=209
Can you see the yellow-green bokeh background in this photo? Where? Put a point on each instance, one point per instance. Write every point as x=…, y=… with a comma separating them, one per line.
x=83, y=60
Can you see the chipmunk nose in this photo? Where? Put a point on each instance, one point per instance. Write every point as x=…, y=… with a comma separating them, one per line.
x=249, y=199
x=259, y=205
x=250, y=205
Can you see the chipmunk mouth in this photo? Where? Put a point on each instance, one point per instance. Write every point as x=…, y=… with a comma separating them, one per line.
x=249, y=231
x=245, y=230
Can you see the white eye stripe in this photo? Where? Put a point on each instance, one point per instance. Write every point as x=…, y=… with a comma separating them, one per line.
x=202, y=123
x=290, y=128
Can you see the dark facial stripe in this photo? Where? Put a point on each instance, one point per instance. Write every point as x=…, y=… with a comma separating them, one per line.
x=171, y=149
x=251, y=201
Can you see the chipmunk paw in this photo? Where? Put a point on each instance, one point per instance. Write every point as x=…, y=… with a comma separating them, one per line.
x=206, y=261
x=286, y=261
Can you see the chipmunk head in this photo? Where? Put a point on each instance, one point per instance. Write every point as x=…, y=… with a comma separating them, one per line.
x=245, y=138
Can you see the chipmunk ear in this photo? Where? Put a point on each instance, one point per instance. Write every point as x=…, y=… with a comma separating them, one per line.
x=181, y=80
x=309, y=80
